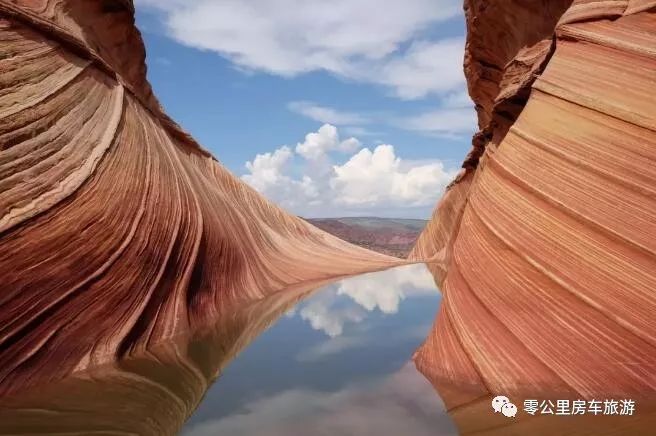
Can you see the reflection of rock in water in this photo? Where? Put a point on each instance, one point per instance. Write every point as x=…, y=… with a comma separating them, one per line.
x=152, y=393
x=544, y=247
x=117, y=229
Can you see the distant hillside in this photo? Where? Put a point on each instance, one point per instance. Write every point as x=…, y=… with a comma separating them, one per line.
x=392, y=236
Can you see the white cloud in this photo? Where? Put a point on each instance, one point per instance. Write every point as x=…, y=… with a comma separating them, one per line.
x=369, y=182
x=458, y=99
x=324, y=140
x=349, y=122
x=325, y=114
x=354, y=39
x=360, y=131
x=267, y=169
x=427, y=67
x=401, y=404
x=454, y=116
x=267, y=174
x=454, y=122
x=166, y=62
x=377, y=177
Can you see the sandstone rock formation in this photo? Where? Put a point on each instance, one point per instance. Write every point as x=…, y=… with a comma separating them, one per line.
x=117, y=230
x=544, y=246
x=149, y=394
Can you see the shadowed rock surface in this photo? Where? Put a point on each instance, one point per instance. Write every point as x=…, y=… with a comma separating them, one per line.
x=543, y=246
x=117, y=229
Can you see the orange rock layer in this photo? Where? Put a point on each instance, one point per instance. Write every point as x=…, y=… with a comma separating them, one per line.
x=544, y=248
x=150, y=394
x=117, y=230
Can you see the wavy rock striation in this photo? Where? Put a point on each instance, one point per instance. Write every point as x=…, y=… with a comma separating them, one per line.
x=544, y=246
x=150, y=393
x=117, y=230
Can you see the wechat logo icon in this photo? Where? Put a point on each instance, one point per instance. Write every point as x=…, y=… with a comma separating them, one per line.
x=502, y=404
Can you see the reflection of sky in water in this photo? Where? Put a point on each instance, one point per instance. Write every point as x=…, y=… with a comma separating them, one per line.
x=337, y=364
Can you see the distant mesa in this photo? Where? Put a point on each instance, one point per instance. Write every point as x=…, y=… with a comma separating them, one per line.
x=394, y=237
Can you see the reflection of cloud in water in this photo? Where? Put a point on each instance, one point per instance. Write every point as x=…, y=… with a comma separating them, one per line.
x=330, y=347
x=401, y=404
x=325, y=313
x=337, y=345
x=383, y=290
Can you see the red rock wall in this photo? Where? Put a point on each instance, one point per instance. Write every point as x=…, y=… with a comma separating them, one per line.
x=508, y=45
x=151, y=394
x=549, y=275
x=117, y=230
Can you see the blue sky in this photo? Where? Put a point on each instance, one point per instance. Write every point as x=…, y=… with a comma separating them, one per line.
x=379, y=91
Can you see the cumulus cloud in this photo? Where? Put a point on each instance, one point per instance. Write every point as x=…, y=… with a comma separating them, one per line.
x=403, y=403
x=377, y=177
x=371, y=181
x=324, y=140
x=349, y=38
x=267, y=168
x=267, y=174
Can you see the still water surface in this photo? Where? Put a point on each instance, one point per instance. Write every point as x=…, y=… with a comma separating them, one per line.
x=331, y=362
x=338, y=363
